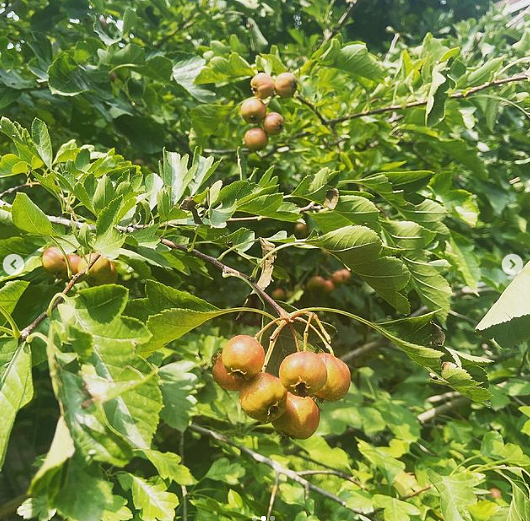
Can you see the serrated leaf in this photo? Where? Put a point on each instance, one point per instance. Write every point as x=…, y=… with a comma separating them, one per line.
x=41, y=138
x=508, y=321
x=168, y=465
x=16, y=386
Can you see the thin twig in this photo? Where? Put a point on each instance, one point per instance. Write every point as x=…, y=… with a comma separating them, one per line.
x=336, y=473
x=43, y=316
x=274, y=492
x=227, y=270
x=277, y=467
x=16, y=188
x=456, y=95
x=183, y=487
x=362, y=350
x=341, y=23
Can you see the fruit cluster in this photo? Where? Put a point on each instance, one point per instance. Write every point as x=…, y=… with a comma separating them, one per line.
x=319, y=284
x=287, y=400
x=103, y=271
x=254, y=110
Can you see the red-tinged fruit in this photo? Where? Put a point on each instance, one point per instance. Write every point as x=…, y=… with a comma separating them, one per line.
x=243, y=356
x=264, y=397
x=253, y=110
x=318, y=283
x=341, y=276
x=495, y=493
x=262, y=85
x=73, y=261
x=103, y=271
x=303, y=373
x=285, y=84
x=338, y=381
x=230, y=382
x=279, y=294
x=300, y=419
x=256, y=139
x=273, y=123
x=54, y=262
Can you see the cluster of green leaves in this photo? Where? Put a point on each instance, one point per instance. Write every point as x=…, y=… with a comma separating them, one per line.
x=420, y=200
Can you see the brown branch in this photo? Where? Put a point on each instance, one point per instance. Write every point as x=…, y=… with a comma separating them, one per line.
x=227, y=270
x=277, y=467
x=313, y=108
x=44, y=315
x=456, y=95
x=362, y=350
x=9, y=508
x=274, y=493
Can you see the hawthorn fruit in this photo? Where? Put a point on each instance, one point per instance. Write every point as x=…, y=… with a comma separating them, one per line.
x=341, y=276
x=303, y=373
x=253, y=110
x=320, y=284
x=300, y=419
x=73, y=261
x=301, y=230
x=243, y=356
x=285, y=85
x=338, y=381
x=262, y=85
x=273, y=123
x=230, y=382
x=279, y=294
x=256, y=139
x=263, y=398
x=103, y=271
x=54, y=262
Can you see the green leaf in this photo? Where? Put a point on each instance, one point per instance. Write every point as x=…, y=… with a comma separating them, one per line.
x=355, y=59
x=16, y=387
x=169, y=466
x=508, y=321
x=185, y=71
x=221, y=69
x=395, y=509
x=41, y=137
x=456, y=493
x=520, y=505
x=27, y=216
x=223, y=470
x=66, y=77
x=461, y=254
x=207, y=119
x=151, y=498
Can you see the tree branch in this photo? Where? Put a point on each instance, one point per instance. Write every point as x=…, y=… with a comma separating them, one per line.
x=341, y=23
x=9, y=508
x=456, y=95
x=277, y=467
x=426, y=416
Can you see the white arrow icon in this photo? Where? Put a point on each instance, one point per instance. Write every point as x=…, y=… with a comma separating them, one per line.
x=512, y=264
x=13, y=264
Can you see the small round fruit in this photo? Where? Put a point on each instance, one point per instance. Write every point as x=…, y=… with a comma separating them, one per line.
x=341, y=276
x=285, y=85
x=263, y=398
x=495, y=493
x=256, y=139
x=53, y=261
x=338, y=381
x=301, y=230
x=303, y=373
x=300, y=419
x=320, y=284
x=273, y=123
x=262, y=85
x=230, y=382
x=253, y=110
x=74, y=260
x=243, y=355
x=103, y=271
x=279, y=294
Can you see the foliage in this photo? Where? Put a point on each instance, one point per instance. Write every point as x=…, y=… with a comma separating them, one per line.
x=121, y=135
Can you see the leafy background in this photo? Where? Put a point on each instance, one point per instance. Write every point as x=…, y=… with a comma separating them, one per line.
x=405, y=152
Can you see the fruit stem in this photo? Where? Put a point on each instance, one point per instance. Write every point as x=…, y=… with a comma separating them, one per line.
x=317, y=332
x=274, y=321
